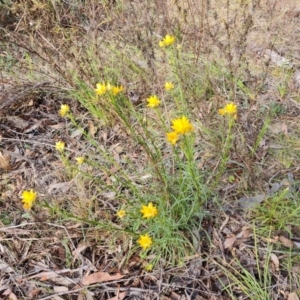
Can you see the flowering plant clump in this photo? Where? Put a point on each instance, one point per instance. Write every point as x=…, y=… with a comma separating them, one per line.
x=182, y=125
x=64, y=109
x=60, y=146
x=172, y=137
x=149, y=211
x=28, y=197
x=145, y=241
x=167, y=41
x=121, y=213
x=229, y=109
x=169, y=86
x=153, y=101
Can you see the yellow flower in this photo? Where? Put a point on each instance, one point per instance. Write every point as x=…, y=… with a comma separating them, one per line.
x=169, y=86
x=145, y=241
x=109, y=87
x=121, y=213
x=64, y=109
x=60, y=146
x=28, y=197
x=149, y=267
x=172, y=137
x=80, y=160
x=101, y=89
x=149, y=211
x=229, y=109
x=182, y=125
x=167, y=41
x=153, y=101
x=117, y=90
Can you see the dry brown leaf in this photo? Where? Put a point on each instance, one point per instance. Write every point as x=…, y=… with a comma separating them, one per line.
x=228, y=243
x=175, y=296
x=55, y=297
x=100, y=277
x=60, y=289
x=4, y=162
x=80, y=248
x=63, y=186
x=271, y=240
x=293, y=296
x=120, y=296
x=5, y=268
x=50, y=274
x=58, y=126
x=275, y=261
x=18, y=122
x=12, y=296
x=284, y=129
x=286, y=242
x=6, y=292
x=245, y=233
x=32, y=294
x=92, y=128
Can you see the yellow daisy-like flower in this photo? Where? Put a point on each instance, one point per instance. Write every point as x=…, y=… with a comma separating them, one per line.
x=117, y=90
x=169, y=86
x=153, y=101
x=80, y=160
x=64, y=109
x=167, y=41
x=28, y=197
x=182, y=125
x=172, y=137
x=229, y=109
x=121, y=213
x=145, y=241
x=60, y=146
x=149, y=211
x=101, y=89
x=149, y=267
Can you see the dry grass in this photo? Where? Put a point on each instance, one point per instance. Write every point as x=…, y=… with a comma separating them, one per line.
x=55, y=52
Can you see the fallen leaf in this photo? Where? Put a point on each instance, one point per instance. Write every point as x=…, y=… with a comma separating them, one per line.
x=63, y=186
x=175, y=296
x=5, y=268
x=275, y=261
x=250, y=202
x=297, y=244
x=100, y=277
x=58, y=126
x=80, y=248
x=286, y=242
x=50, y=274
x=12, y=296
x=4, y=162
x=92, y=128
x=120, y=296
x=228, y=243
x=17, y=122
x=245, y=233
x=55, y=297
x=32, y=294
x=276, y=59
x=109, y=195
x=60, y=289
x=293, y=296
